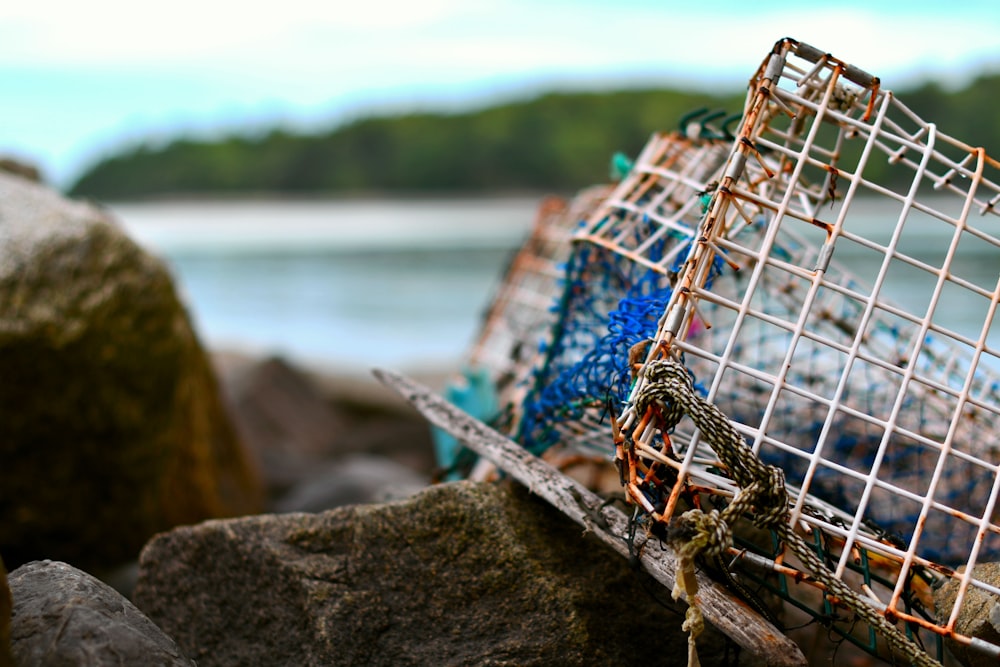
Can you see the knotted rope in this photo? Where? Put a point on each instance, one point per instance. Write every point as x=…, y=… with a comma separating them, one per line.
x=761, y=495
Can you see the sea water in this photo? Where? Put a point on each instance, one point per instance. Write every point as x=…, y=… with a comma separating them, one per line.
x=402, y=284
x=398, y=284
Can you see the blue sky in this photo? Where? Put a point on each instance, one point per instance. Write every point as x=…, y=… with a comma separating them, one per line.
x=78, y=80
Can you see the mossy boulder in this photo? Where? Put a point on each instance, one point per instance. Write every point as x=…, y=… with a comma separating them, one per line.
x=113, y=425
x=460, y=574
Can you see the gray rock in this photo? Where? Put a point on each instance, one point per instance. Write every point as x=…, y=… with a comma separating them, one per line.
x=378, y=420
x=5, y=609
x=296, y=422
x=113, y=426
x=460, y=574
x=63, y=616
x=406, y=440
x=351, y=481
x=978, y=617
x=280, y=415
x=292, y=417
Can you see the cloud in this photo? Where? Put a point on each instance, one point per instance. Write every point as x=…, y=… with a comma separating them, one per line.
x=436, y=39
x=108, y=32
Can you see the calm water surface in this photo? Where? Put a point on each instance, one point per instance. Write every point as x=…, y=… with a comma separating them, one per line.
x=398, y=284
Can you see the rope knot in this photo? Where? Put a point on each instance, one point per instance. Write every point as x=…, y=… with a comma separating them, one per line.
x=668, y=371
x=696, y=532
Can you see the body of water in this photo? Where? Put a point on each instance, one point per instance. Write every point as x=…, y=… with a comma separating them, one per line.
x=402, y=283
x=347, y=284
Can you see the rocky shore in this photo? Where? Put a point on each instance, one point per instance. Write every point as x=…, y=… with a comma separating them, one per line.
x=165, y=505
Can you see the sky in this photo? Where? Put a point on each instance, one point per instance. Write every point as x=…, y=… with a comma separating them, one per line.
x=80, y=80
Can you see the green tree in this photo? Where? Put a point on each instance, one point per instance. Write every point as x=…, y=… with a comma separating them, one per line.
x=558, y=142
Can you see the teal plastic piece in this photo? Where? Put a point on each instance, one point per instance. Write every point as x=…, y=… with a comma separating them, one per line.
x=475, y=394
x=621, y=165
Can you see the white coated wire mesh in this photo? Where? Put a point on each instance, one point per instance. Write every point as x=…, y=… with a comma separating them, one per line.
x=657, y=205
x=850, y=335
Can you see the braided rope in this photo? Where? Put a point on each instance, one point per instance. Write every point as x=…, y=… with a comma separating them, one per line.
x=761, y=494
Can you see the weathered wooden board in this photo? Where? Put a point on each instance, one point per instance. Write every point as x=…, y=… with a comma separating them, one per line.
x=720, y=607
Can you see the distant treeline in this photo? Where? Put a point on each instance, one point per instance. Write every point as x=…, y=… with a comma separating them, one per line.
x=557, y=142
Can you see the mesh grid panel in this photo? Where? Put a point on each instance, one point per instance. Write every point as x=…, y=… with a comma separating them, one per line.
x=875, y=389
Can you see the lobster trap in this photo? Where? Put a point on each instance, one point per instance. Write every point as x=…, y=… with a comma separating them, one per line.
x=828, y=275
x=875, y=389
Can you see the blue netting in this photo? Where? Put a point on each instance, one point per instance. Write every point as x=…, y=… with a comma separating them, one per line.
x=608, y=305
x=586, y=362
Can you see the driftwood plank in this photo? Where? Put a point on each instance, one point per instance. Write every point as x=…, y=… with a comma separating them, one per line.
x=720, y=607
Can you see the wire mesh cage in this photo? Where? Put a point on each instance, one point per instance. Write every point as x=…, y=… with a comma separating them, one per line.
x=827, y=277
x=616, y=283
x=874, y=390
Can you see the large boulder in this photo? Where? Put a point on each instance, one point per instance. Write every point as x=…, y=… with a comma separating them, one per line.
x=113, y=428
x=63, y=616
x=460, y=574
